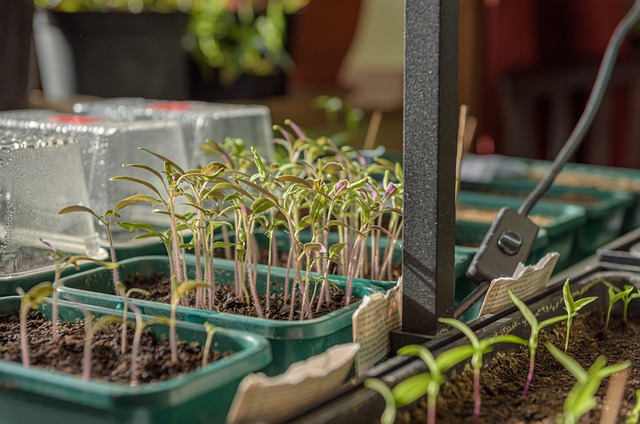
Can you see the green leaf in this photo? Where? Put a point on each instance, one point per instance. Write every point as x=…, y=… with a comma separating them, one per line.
x=452, y=357
x=187, y=287
x=138, y=181
x=305, y=222
x=132, y=200
x=164, y=159
x=294, y=179
x=463, y=328
x=551, y=321
x=568, y=299
x=377, y=385
x=411, y=389
x=524, y=310
x=580, y=303
x=423, y=353
x=38, y=293
x=332, y=168
x=77, y=208
x=568, y=362
x=262, y=204
x=222, y=244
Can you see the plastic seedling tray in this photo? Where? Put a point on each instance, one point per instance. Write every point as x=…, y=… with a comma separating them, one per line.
x=200, y=121
x=38, y=176
x=605, y=209
x=291, y=341
x=562, y=230
x=202, y=396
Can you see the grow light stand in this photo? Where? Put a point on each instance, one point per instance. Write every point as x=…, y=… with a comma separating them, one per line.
x=430, y=127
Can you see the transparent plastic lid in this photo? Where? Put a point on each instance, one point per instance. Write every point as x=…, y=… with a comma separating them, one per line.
x=105, y=145
x=200, y=120
x=39, y=175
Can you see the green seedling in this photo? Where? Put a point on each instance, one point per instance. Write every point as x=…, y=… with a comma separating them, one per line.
x=411, y=389
x=141, y=324
x=210, y=329
x=572, y=307
x=125, y=310
x=30, y=300
x=107, y=219
x=634, y=415
x=480, y=347
x=91, y=325
x=390, y=409
x=536, y=327
x=581, y=398
x=625, y=295
x=61, y=263
x=180, y=291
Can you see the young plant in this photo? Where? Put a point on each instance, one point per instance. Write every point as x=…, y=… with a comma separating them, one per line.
x=210, y=329
x=141, y=324
x=625, y=295
x=30, y=300
x=125, y=310
x=61, y=263
x=411, y=389
x=480, y=347
x=536, y=327
x=572, y=307
x=91, y=325
x=180, y=291
x=581, y=398
x=107, y=219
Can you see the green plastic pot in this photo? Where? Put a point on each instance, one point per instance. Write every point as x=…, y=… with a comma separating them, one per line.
x=291, y=341
x=567, y=219
x=28, y=279
x=605, y=210
x=31, y=395
x=605, y=178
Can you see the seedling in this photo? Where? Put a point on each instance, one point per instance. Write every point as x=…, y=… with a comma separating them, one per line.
x=180, y=291
x=409, y=390
x=92, y=325
x=61, y=263
x=536, y=327
x=125, y=308
x=210, y=329
x=625, y=295
x=581, y=398
x=30, y=300
x=480, y=347
x=572, y=307
x=390, y=409
x=137, y=336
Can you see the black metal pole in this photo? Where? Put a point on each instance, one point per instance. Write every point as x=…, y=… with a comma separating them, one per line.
x=430, y=127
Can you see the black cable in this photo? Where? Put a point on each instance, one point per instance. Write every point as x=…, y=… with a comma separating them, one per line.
x=590, y=110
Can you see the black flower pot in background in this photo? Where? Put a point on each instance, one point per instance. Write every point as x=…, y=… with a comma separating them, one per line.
x=15, y=50
x=116, y=54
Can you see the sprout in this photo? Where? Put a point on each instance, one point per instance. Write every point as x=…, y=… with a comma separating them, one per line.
x=480, y=347
x=137, y=336
x=180, y=291
x=91, y=326
x=414, y=387
x=581, y=398
x=533, y=338
x=125, y=300
x=210, y=329
x=635, y=412
x=30, y=300
x=615, y=294
x=572, y=307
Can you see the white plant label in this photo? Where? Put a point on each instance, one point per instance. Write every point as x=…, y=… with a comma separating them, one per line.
x=265, y=399
x=525, y=282
x=377, y=315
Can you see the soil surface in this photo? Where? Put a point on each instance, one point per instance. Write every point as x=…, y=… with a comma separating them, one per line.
x=503, y=378
x=488, y=215
x=159, y=289
x=108, y=363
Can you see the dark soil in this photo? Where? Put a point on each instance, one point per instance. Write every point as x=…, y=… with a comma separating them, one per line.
x=108, y=364
x=226, y=301
x=503, y=378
